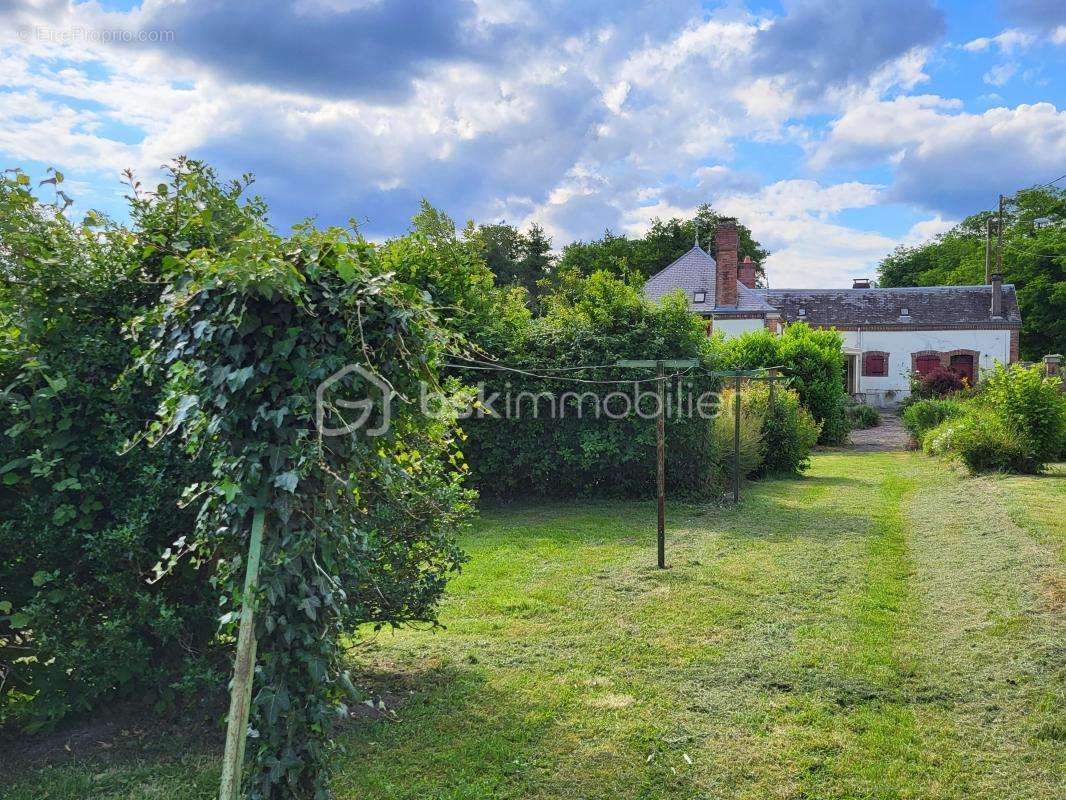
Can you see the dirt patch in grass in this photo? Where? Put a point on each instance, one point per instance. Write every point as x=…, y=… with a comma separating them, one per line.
x=122, y=734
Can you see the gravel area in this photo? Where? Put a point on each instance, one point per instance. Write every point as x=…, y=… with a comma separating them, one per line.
x=889, y=435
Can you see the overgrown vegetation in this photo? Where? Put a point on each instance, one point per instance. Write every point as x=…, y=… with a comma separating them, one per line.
x=813, y=358
x=1034, y=260
x=1014, y=421
x=235, y=328
x=861, y=416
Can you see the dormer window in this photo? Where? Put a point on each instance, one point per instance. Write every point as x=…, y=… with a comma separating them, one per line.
x=699, y=297
x=803, y=312
x=904, y=312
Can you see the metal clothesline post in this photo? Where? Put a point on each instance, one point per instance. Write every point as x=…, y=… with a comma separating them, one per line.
x=660, y=440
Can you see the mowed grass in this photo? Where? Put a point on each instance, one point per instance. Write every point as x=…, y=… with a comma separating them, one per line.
x=882, y=628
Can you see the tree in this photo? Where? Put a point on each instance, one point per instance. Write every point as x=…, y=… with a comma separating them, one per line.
x=1034, y=260
x=515, y=258
x=641, y=257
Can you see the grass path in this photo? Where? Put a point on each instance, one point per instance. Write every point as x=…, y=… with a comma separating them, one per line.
x=882, y=628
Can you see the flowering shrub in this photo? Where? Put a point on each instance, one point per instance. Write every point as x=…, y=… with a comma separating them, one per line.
x=938, y=382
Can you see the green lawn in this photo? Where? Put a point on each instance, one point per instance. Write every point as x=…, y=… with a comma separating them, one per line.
x=882, y=628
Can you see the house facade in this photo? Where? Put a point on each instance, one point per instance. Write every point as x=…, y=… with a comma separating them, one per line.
x=888, y=333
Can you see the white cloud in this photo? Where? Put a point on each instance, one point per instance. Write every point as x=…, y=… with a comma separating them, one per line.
x=946, y=159
x=999, y=75
x=1006, y=42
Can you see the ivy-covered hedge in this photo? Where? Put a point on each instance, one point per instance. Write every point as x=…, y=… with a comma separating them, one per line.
x=592, y=321
x=122, y=539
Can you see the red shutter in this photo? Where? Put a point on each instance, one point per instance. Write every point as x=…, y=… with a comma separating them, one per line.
x=875, y=365
x=927, y=364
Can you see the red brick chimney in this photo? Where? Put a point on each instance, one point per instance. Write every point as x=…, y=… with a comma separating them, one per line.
x=725, y=255
x=747, y=272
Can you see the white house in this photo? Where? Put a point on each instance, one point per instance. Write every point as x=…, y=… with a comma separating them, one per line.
x=888, y=333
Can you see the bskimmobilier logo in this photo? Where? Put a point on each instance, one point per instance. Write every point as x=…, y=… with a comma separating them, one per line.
x=372, y=413
x=380, y=395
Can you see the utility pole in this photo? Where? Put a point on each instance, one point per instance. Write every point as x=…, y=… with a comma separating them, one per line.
x=999, y=239
x=660, y=440
x=988, y=250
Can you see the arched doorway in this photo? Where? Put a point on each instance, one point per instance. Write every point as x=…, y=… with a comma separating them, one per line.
x=963, y=366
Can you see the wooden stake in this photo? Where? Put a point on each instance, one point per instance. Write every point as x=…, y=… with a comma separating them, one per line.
x=660, y=456
x=243, y=668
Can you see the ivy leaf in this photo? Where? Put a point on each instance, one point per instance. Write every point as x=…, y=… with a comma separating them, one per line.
x=236, y=379
x=181, y=410
x=287, y=481
x=19, y=620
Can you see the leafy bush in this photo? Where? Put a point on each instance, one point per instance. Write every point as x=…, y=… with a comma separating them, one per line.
x=1031, y=405
x=923, y=415
x=84, y=516
x=788, y=432
x=863, y=416
x=938, y=382
x=983, y=442
x=814, y=358
x=111, y=587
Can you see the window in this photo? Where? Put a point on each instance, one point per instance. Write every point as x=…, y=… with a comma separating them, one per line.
x=875, y=365
x=803, y=312
x=926, y=363
x=904, y=312
x=699, y=297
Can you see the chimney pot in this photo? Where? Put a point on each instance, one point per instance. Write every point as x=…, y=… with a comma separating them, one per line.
x=725, y=256
x=1052, y=364
x=997, y=295
x=747, y=272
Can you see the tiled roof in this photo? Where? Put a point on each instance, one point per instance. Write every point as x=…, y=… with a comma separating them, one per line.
x=926, y=305
x=695, y=272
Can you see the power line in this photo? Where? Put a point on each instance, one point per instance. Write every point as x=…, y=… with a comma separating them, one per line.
x=566, y=378
x=1051, y=183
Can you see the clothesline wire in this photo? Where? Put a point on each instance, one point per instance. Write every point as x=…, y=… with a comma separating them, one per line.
x=567, y=378
x=489, y=366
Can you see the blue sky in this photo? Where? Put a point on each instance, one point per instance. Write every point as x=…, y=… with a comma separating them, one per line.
x=835, y=130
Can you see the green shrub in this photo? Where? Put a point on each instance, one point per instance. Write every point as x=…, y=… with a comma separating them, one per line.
x=984, y=443
x=83, y=517
x=923, y=415
x=789, y=431
x=591, y=320
x=118, y=561
x=752, y=441
x=1031, y=405
x=862, y=416
x=814, y=358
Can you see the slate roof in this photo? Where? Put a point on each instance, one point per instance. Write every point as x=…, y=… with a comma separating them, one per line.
x=695, y=272
x=927, y=305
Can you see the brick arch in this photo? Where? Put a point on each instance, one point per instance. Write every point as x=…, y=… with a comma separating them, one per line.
x=868, y=353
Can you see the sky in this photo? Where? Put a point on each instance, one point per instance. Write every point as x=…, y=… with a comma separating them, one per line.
x=835, y=130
